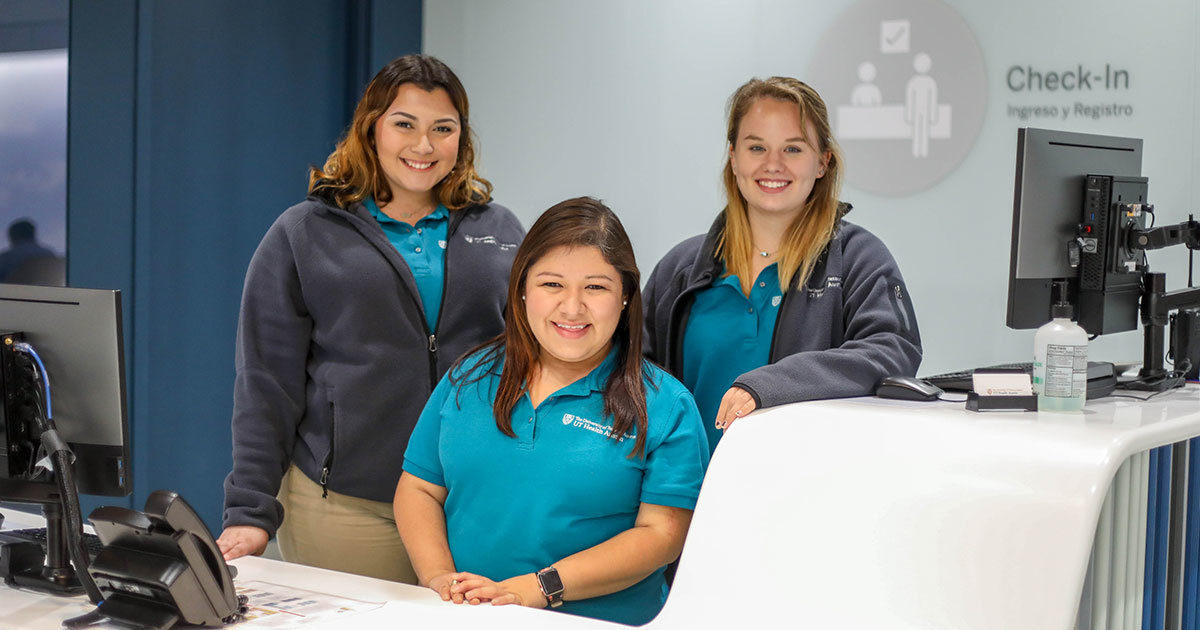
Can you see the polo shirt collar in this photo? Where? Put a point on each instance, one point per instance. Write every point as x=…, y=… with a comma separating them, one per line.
x=597, y=379
x=439, y=213
x=772, y=271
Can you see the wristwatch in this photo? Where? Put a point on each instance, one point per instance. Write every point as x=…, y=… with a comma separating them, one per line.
x=551, y=585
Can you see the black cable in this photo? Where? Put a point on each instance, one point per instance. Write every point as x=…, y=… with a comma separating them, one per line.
x=1191, y=260
x=1144, y=398
x=65, y=478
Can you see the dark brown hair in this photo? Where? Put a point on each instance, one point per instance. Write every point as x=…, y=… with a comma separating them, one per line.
x=580, y=222
x=352, y=172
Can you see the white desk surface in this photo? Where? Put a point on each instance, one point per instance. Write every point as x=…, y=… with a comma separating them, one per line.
x=851, y=513
x=870, y=513
x=409, y=604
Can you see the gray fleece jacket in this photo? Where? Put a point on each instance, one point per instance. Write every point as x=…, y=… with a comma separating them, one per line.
x=849, y=326
x=334, y=358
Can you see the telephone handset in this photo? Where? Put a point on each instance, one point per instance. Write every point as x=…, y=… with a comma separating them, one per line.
x=160, y=567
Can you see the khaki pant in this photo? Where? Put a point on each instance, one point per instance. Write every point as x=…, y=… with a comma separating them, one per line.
x=340, y=532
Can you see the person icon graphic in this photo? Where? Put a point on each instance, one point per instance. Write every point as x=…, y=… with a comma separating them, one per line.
x=866, y=93
x=921, y=104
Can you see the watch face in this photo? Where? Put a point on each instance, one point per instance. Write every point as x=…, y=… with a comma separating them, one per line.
x=551, y=583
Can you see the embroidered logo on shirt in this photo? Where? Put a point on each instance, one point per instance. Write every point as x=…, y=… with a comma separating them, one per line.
x=776, y=300
x=489, y=240
x=595, y=427
x=442, y=244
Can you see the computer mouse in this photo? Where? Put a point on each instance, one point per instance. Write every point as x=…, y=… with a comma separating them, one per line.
x=907, y=388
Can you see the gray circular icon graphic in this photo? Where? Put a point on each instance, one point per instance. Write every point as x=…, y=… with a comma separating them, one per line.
x=906, y=88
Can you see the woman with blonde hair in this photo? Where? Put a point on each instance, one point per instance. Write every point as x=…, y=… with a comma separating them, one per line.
x=782, y=300
x=356, y=303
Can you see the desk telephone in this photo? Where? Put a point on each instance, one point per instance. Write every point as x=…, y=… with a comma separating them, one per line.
x=160, y=567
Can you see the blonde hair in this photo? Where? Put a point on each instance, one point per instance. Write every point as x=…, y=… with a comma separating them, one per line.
x=352, y=172
x=807, y=236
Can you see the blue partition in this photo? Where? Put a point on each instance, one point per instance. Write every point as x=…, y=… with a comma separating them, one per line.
x=191, y=128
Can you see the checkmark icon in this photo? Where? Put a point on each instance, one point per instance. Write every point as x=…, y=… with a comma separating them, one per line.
x=894, y=36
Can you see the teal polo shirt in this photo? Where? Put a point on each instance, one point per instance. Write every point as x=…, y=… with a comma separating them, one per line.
x=515, y=505
x=727, y=335
x=423, y=247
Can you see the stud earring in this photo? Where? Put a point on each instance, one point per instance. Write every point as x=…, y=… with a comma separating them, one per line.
x=624, y=303
x=522, y=298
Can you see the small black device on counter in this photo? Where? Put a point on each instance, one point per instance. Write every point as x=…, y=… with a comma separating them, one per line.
x=1185, y=342
x=975, y=402
x=907, y=388
x=160, y=567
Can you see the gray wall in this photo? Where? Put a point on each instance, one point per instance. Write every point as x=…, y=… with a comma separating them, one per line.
x=625, y=100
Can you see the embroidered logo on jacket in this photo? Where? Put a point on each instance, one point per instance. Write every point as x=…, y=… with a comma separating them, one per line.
x=488, y=240
x=606, y=430
x=831, y=282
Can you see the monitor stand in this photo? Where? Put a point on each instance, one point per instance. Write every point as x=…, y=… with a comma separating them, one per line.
x=24, y=564
x=1157, y=304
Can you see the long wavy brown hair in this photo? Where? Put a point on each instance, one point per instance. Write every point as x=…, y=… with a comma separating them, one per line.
x=352, y=172
x=579, y=222
x=807, y=236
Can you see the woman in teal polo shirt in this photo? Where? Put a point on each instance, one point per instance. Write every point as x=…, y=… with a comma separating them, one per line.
x=554, y=466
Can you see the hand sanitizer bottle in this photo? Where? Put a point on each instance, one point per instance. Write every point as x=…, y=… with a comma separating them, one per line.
x=1060, y=359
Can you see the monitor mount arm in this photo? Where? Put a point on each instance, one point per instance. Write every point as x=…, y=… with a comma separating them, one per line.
x=1157, y=302
x=1186, y=233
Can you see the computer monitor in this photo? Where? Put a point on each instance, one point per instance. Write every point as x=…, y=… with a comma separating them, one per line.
x=1052, y=186
x=77, y=335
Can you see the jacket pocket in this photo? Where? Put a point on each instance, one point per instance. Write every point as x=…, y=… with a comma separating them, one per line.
x=327, y=466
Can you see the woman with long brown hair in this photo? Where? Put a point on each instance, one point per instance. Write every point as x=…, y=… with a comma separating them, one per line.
x=782, y=300
x=356, y=302
x=555, y=464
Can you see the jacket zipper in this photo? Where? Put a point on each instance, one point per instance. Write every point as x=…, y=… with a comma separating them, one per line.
x=451, y=228
x=431, y=336
x=682, y=311
x=328, y=467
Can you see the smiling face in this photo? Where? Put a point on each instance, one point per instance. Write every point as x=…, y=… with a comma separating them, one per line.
x=416, y=140
x=773, y=162
x=573, y=302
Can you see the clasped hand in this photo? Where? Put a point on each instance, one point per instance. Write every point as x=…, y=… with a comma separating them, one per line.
x=462, y=587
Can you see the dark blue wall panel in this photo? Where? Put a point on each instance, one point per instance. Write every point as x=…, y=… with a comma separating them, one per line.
x=192, y=127
x=101, y=138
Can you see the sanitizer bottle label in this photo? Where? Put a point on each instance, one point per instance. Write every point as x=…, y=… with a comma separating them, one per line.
x=1066, y=371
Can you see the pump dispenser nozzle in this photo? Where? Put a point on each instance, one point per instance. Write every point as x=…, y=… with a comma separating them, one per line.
x=1061, y=307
